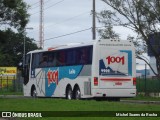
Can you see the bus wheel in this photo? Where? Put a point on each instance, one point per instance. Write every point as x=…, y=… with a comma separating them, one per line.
x=69, y=93
x=34, y=93
x=77, y=93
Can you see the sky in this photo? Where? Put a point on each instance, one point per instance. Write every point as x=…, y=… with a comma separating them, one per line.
x=62, y=17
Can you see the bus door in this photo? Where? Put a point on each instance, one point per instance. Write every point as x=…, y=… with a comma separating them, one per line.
x=26, y=69
x=115, y=68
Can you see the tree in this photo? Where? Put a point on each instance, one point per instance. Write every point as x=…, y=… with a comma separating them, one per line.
x=11, y=52
x=141, y=16
x=14, y=13
x=108, y=31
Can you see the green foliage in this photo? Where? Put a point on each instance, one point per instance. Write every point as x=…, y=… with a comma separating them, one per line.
x=107, y=33
x=11, y=47
x=14, y=13
x=105, y=17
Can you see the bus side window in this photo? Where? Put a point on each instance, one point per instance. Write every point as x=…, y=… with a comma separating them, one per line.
x=90, y=54
x=43, y=60
x=51, y=60
x=71, y=57
x=35, y=60
x=61, y=58
x=84, y=56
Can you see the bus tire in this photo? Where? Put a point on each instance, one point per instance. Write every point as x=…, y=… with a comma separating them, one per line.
x=33, y=92
x=69, y=93
x=77, y=93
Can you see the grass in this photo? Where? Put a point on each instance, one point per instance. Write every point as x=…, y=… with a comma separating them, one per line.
x=51, y=104
x=4, y=92
x=143, y=98
x=11, y=90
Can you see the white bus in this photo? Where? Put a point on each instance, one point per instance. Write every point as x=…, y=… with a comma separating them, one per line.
x=99, y=69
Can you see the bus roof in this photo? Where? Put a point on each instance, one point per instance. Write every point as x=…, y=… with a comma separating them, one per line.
x=74, y=45
x=65, y=46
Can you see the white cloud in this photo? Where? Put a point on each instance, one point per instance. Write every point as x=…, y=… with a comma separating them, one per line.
x=67, y=17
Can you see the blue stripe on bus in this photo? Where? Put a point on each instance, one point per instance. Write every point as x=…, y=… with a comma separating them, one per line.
x=55, y=74
x=129, y=52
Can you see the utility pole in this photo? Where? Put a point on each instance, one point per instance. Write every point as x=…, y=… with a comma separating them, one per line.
x=41, y=25
x=24, y=45
x=94, y=20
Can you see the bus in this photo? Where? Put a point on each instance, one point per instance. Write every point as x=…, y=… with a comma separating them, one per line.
x=102, y=68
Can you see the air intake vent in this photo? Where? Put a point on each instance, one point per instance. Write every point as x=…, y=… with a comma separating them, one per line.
x=87, y=88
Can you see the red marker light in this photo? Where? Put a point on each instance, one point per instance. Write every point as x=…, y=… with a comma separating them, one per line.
x=95, y=81
x=134, y=81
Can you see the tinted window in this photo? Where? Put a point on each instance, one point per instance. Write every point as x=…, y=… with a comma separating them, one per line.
x=79, y=56
x=73, y=56
x=51, y=59
x=83, y=56
x=35, y=60
x=43, y=57
x=61, y=58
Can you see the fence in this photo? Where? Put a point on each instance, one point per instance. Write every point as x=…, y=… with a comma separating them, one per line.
x=148, y=85
x=11, y=84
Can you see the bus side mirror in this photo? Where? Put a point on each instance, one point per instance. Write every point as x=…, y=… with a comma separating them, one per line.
x=20, y=66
